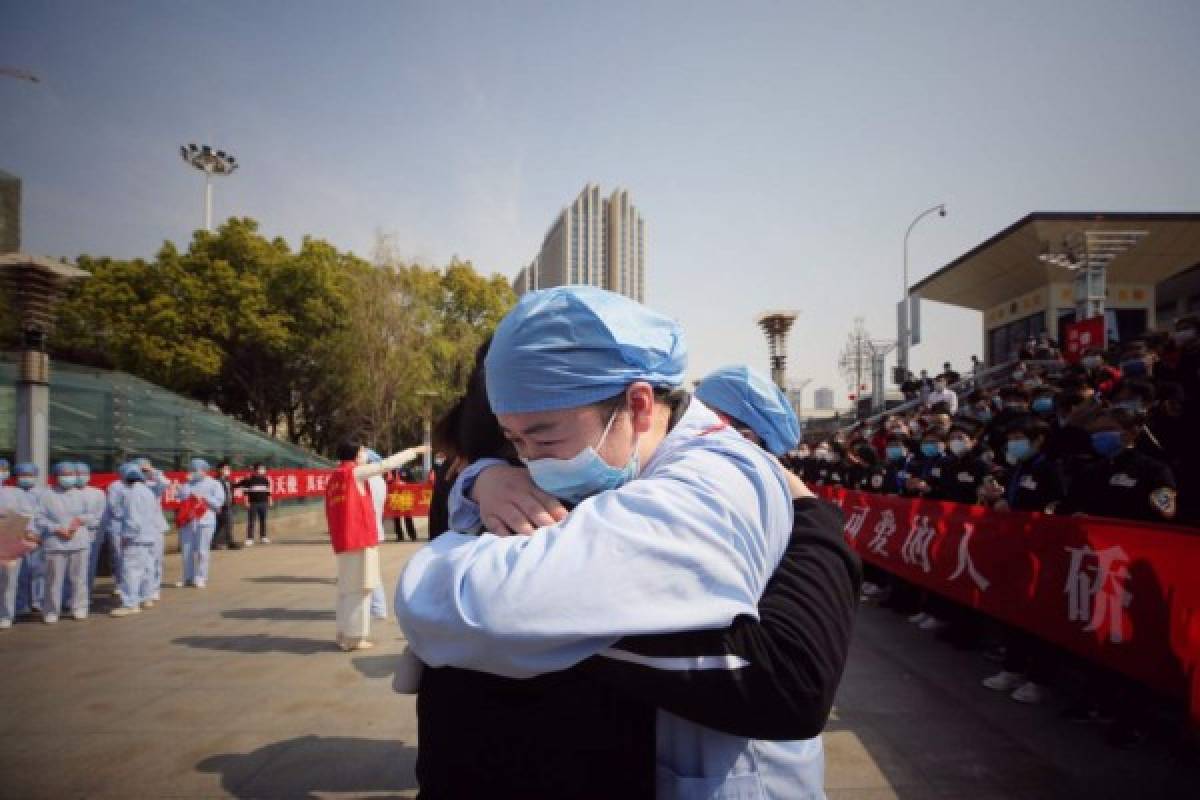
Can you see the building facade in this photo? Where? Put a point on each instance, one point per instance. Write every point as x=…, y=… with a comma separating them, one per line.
x=595, y=241
x=823, y=399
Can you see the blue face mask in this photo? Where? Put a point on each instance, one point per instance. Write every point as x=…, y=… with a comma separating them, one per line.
x=575, y=479
x=895, y=453
x=1107, y=443
x=26, y=482
x=67, y=481
x=1043, y=404
x=1018, y=450
x=930, y=449
x=1130, y=405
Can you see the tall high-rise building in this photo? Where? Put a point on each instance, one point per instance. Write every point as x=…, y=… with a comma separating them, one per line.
x=597, y=241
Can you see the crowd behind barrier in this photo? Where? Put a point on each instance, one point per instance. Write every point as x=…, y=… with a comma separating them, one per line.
x=1076, y=476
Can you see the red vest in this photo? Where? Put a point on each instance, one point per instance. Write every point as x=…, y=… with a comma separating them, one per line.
x=349, y=512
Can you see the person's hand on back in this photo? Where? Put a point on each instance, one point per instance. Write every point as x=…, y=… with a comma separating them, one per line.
x=511, y=503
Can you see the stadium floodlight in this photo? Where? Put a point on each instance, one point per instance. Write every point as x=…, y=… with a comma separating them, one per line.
x=211, y=162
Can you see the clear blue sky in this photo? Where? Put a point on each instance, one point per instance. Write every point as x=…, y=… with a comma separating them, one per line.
x=776, y=150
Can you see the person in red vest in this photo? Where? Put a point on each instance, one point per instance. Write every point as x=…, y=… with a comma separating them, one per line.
x=350, y=513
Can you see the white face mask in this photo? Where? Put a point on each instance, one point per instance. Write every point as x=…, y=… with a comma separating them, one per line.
x=959, y=446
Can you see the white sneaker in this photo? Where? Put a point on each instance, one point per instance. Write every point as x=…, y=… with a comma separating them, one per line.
x=180, y=584
x=932, y=623
x=147, y=604
x=124, y=611
x=1004, y=681
x=265, y=540
x=1029, y=693
x=50, y=619
x=81, y=614
x=918, y=618
x=200, y=584
x=5, y=624
x=869, y=589
x=249, y=543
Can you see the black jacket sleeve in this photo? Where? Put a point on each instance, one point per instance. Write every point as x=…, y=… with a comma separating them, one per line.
x=770, y=678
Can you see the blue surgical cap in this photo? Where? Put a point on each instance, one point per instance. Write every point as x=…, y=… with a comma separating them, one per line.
x=199, y=465
x=82, y=468
x=144, y=463
x=131, y=471
x=571, y=346
x=748, y=397
x=27, y=468
x=373, y=457
x=64, y=467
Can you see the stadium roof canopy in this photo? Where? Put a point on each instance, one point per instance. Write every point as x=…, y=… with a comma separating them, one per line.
x=1028, y=255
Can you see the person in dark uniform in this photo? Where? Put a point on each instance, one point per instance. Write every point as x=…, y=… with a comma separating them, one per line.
x=404, y=524
x=963, y=472
x=223, y=536
x=257, y=487
x=1033, y=483
x=1125, y=483
x=899, y=464
x=928, y=466
x=864, y=472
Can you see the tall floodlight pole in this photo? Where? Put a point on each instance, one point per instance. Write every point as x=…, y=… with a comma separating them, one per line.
x=904, y=332
x=212, y=163
x=776, y=325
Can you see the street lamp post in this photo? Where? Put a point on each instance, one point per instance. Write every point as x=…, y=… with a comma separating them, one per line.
x=427, y=462
x=905, y=332
x=211, y=162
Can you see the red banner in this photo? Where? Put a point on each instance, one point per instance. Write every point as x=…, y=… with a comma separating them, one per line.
x=1082, y=336
x=408, y=499
x=1122, y=594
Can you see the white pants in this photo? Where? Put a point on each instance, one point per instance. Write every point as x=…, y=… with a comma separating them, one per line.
x=138, y=574
x=62, y=566
x=10, y=578
x=195, y=544
x=358, y=575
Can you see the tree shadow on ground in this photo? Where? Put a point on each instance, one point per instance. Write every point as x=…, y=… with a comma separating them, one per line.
x=280, y=614
x=313, y=766
x=259, y=643
x=291, y=579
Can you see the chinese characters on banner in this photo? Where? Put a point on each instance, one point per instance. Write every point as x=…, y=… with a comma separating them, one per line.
x=1123, y=594
x=1082, y=336
x=404, y=500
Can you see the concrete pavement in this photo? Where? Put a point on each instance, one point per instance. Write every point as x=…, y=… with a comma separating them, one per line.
x=238, y=691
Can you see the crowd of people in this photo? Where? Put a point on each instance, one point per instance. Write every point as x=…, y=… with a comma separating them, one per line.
x=73, y=523
x=1114, y=434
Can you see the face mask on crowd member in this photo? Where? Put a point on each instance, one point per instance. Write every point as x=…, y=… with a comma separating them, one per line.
x=959, y=442
x=822, y=453
x=932, y=446
x=915, y=427
x=1019, y=448
x=896, y=451
x=802, y=451
x=259, y=469
x=27, y=475
x=65, y=475
x=753, y=405
x=575, y=413
x=1043, y=404
x=83, y=475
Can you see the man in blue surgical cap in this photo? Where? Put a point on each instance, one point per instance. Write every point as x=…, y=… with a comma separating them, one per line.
x=206, y=495
x=142, y=528
x=754, y=406
x=678, y=524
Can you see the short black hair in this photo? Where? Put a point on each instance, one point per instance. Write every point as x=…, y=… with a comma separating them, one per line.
x=258, y=464
x=348, y=450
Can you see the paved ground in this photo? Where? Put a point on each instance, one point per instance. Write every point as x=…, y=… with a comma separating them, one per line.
x=237, y=691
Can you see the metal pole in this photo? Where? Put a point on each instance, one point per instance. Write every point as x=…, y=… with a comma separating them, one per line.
x=906, y=323
x=428, y=460
x=208, y=201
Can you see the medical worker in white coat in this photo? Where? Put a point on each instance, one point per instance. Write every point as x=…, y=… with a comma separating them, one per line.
x=195, y=537
x=158, y=483
x=65, y=533
x=675, y=528
x=142, y=529
x=14, y=499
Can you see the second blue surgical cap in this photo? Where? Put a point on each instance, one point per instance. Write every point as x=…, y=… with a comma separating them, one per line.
x=571, y=346
x=750, y=398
